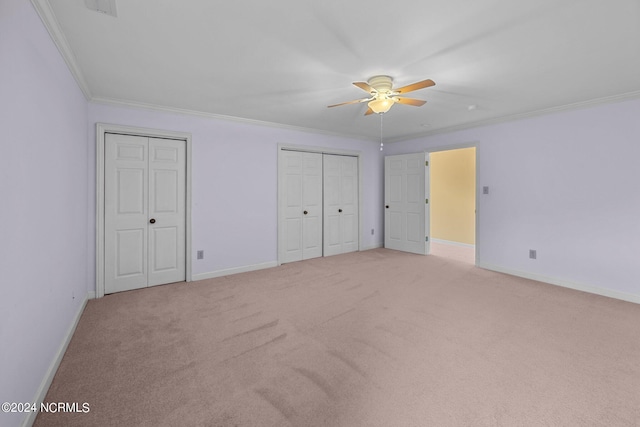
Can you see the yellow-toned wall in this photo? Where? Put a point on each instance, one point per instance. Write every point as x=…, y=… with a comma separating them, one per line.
x=453, y=195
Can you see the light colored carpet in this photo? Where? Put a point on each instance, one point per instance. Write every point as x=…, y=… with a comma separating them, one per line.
x=461, y=253
x=375, y=338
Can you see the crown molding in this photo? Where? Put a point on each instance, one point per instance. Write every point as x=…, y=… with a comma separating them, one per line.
x=187, y=112
x=449, y=129
x=513, y=117
x=46, y=14
x=43, y=8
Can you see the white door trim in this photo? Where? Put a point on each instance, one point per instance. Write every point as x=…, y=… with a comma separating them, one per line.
x=101, y=129
x=322, y=150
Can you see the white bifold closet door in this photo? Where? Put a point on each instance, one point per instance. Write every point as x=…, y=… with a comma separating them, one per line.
x=301, y=205
x=145, y=204
x=406, y=194
x=318, y=205
x=340, y=176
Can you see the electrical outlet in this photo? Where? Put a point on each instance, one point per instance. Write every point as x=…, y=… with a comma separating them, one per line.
x=200, y=254
x=533, y=254
x=372, y=231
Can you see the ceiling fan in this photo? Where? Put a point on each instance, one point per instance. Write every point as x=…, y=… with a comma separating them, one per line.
x=383, y=96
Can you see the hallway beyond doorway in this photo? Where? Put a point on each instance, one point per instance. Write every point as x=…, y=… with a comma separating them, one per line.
x=462, y=253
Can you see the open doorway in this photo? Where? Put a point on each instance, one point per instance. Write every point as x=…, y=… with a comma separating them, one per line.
x=453, y=204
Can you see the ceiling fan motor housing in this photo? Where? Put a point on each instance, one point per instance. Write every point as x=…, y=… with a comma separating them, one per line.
x=382, y=84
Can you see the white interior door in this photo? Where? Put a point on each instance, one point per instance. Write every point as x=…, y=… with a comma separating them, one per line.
x=126, y=212
x=300, y=205
x=167, y=202
x=144, y=212
x=340, y=176
x=312, y=205
x=406, y=199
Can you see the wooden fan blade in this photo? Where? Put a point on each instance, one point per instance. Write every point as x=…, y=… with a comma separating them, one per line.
x=364, y=86
x=356, y=101
x=415, y=86
x=409, y=101
x=369, y=111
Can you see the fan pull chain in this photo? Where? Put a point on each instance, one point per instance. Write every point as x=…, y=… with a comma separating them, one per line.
x=381, y=144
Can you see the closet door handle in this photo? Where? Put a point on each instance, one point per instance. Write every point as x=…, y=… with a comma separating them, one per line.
x=152, y=221
x=387, y=206
x=305, y=212
x=339, y=210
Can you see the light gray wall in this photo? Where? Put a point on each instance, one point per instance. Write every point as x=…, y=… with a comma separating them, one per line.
x=565, y=184
x=47, y=162
x=235, y=181
x=44, y=203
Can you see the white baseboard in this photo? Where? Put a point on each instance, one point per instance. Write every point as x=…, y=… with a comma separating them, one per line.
x=565, y=283
x=253, y=267
x=375, y=246
x=235, y=270
x=451, y=242
x=53, y=368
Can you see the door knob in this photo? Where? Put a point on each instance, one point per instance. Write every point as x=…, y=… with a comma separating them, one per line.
x=387, y=206
x=339, y=210
x=152, y=221
x=305, y=212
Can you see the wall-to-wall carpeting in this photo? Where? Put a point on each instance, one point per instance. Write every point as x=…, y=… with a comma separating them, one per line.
x=374, y=338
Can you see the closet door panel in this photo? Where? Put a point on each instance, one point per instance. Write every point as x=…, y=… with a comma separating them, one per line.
x=312, y=205
x=126, y=211
x=340, y=204
x=300, y=225
x=291, y=205
x=349, y=187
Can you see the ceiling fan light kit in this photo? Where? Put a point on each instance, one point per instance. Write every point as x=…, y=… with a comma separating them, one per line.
x=380, y=105
x=383, y=96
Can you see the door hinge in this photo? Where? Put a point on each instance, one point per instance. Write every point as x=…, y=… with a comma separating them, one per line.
x=426, y=201
x=426, y=238
x=426, y=162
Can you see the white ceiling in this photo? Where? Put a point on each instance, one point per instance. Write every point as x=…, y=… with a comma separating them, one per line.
x=284, y=61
